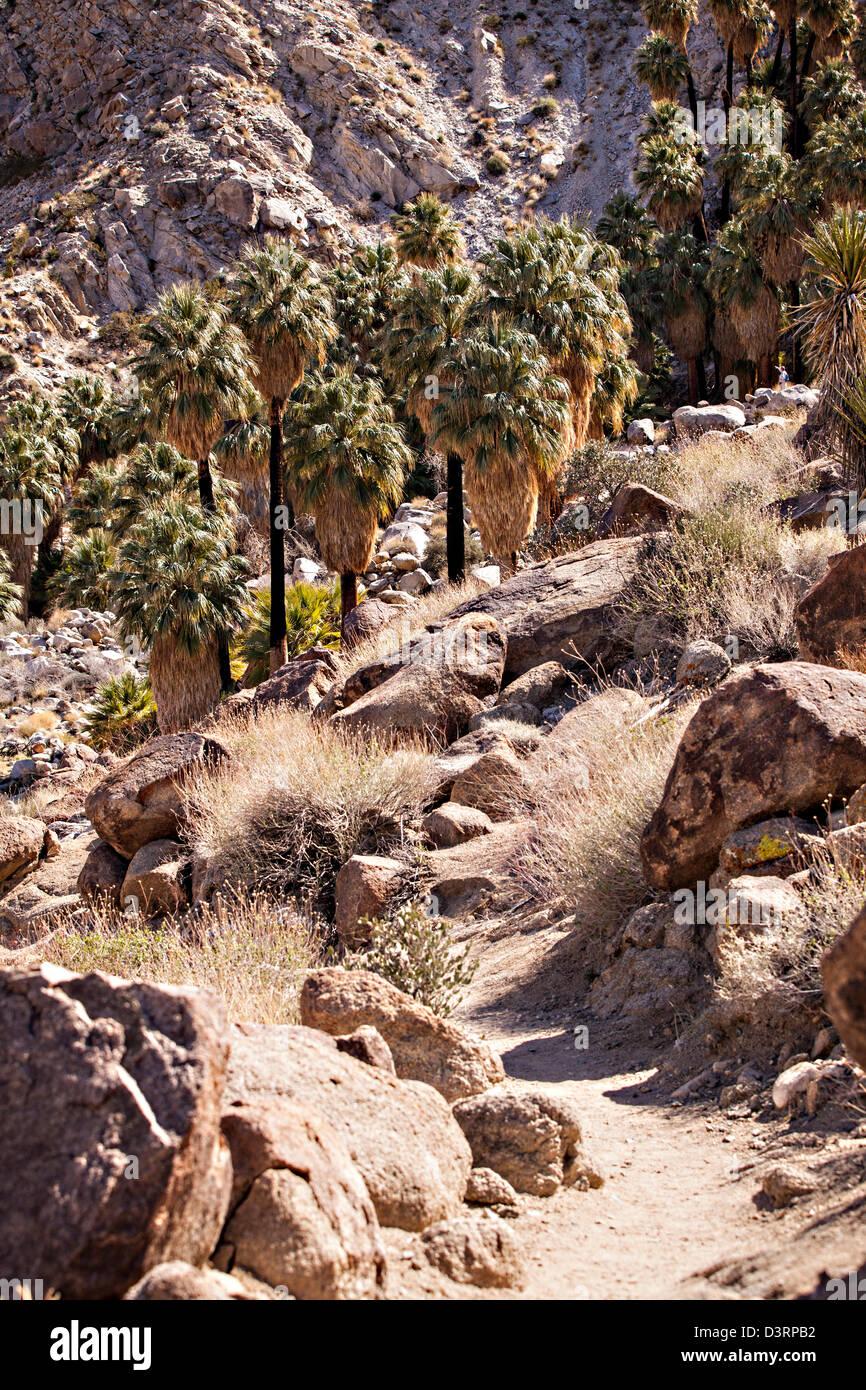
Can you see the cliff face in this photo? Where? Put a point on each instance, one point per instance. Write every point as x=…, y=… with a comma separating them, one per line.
x=139, y=145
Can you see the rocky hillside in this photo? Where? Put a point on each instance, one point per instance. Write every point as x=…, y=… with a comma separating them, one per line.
x=141, y=145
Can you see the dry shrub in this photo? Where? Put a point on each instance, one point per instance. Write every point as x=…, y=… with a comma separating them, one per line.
x=250, y=951
x=298, y=799
x=39, y=722
x=431, y=607
x=584, y=846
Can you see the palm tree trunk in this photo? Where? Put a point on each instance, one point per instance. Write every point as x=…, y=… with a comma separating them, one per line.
x=693, y=381
x=208, y=504
x=702, y=379
x=765, y=371
x=348, y=600
x=693, y=96
x=454, y=528
x=727, y=101
x=205, y=486
x=792, y=104
x=277, y=635
x=804, y=71
x=777, y=61
x=794, y=297
x=748, y=67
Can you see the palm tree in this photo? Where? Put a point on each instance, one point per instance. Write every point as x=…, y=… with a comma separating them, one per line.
x=426, y=235
x=350, y=460
x=673, y=19
x=616, y=388
x=743, y=296
x=92, y=500
x=284, y=309
x=84, y=578
x=835, y=158
x=429, y=316
x=628, y=228
x=88, y=406
x=195, y=373
x=38, y=416
x=663, y=66
x=681, y=273
x=670, y=179
x=753, y=32
x=364, y=291
x=835, y=92
x=833, y=321
x=312, y=620
x=154, y=474
x=243, y=451
x=179, y=589
x=10, y=592
x=507, y=414
x=30, y=479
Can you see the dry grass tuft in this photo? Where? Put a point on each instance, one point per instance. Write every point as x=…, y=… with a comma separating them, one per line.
x=298, y=799
x=252, y=952
x=431, y=607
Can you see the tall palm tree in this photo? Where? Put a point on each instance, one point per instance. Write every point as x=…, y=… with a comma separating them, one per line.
x=429, y=316
x=629, y=229
x=662, y=66
x=835, y=158
x=426, y=234
x=87, y=405
x=153, y=475
x=350, y=461
x=673, y=19
x=30, y=479
x=753, y=32
x=195, y=372
x=833, y=321
x=39, y=417
x=364, y=291
x=507, y=414
x=681, y=273
x=178, y=587
x=284, y=309
x=834, y=92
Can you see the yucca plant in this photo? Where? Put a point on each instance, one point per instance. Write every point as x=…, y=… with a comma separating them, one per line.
x=833, y=322
x=312, y=620
x=122, y=714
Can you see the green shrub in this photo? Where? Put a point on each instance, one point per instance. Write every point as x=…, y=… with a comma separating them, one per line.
x=123, y=714
x=498, y=163
x=436, y=557
x=312, y=619
x=416, y=953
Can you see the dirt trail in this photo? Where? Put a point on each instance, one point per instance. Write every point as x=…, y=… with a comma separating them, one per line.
x=672, y=1203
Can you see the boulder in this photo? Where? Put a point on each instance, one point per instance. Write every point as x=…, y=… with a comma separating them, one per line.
x=641, y=432
x=301, y=1217
x=562, y=609
x=178, y=1282
x=540, y=686
x=21, y=843
x=434, y=693
x=698, y=420
x=532, y=1139
x=477, y=876
x=832, y=614
x=363, y=887
x=651, y=985
x=465, y=752
x=157, y=879
x=788, y=398
x=843, y=969
x=766, y=844
x=111, y=1158
x=702, y=663
x=454, y=824
x=636, y=508
x=494, y=784
x=367, y=1045
x=300, y=684
x=142, y=799
x=102, y=875
x=755, y=907
x=364, y=621
x=479, y=1249
x=777, y=739
x=400, y=1134
x=505, y=715
x=236, y=199
x=488, y=1189
x=406, y=536
x=424, y=1047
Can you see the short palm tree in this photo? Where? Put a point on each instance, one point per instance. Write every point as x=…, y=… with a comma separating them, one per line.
x=429, y=316
x=10, y=592
x=312, y=620
x=674, y=19
x=154, y=474
x=39, y=417
x=670, y=179
x=88, y=407
x=350, y=461
x=84, y=578
x=833, y=321
x=122, y=714
x=426, y=234
x=507, y=414
x=616, y=388
x=178, y=588
x=284, y=309
x=753, y=32
x=662, y=66
x=30, y=480
x=364, y=291
x=681, y=274
x=195, y=371
x=743, y=296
